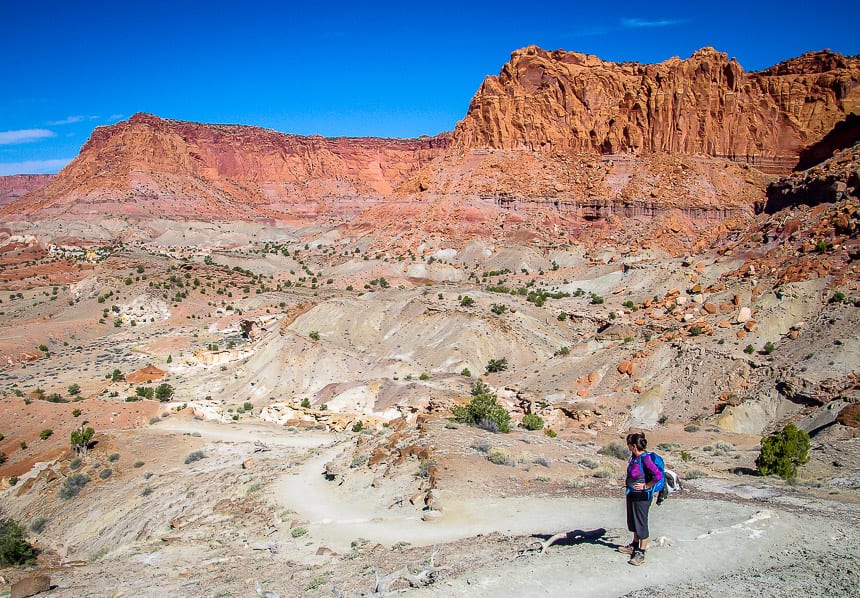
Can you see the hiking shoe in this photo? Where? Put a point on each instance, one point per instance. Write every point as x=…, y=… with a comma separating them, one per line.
x=638, y=558
x=629, y=549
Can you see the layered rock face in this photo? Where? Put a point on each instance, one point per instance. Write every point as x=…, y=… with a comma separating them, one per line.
x=13, y=187
x=148, y=166
x=707, y=104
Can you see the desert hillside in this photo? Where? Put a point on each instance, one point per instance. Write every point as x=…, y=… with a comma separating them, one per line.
x=238, y=362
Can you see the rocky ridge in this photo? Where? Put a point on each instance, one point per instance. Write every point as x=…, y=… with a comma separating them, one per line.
x=14, y=186
x=706, y=104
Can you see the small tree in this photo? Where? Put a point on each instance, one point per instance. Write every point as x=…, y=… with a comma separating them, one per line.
x=497, y=365
x=74, y=389
x=783, y=451
x=80, y=439
x=163, y=392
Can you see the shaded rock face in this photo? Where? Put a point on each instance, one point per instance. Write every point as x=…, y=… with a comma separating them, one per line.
x=705, y=104
x=149, y=166
x=13, y=187
x=834, y=180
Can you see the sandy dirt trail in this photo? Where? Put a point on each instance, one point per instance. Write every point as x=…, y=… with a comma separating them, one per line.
x=692, y=539
x=702, y=538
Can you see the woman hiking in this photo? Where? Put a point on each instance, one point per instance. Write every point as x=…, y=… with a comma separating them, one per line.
x=642, y=475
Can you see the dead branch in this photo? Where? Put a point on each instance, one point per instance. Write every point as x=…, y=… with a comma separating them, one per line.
x=542, y=546
x=270, y=546
x=425, y=577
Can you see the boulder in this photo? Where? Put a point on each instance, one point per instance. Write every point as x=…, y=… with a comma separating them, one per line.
x=30, y=586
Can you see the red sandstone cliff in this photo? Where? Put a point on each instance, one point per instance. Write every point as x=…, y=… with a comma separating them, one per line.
x=707, y=104
x=149, y=166
x=13, y=187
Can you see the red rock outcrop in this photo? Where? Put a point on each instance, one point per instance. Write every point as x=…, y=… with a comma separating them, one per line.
x=149, y=166
x=706, y=104
x=13, y=187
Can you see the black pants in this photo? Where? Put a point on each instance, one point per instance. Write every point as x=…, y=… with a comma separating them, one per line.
x=638, y=504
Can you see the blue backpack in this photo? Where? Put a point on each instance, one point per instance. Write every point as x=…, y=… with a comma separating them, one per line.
x=661, y=465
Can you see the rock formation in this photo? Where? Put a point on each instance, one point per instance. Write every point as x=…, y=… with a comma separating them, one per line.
x=557, y=144
x=149, y=166
x=706, y=104
x=13, y=187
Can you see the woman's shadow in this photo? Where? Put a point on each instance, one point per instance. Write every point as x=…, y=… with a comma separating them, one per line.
x=572, y=538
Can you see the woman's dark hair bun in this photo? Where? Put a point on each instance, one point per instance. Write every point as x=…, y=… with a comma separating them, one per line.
x=637, y=440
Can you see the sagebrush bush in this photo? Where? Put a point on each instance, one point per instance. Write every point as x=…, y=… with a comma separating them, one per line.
x=783, y=451
x=105, y=474
x=72, y=485
x=498, y=457
x=483, y=407
x=615, y=449
x=195, y=456
x=589, y=463
x=38, y=524
x=532, y=422
x=298, y=532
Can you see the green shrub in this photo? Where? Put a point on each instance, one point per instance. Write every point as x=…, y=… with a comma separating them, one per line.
x=105, y=473
x=499, y=457
x=466, y=372
x=146, y=392
x=686, y=457
x=74, y=464
x=195, y=456
x=154, y=420
x=138, y=464
x=769, y=348
x=532, y=422
x=467, y=301
x=314, y=335
x=147, y=490
x=357, y=426
x=45, y=434
x=2, y=457
x=14, y=548
x=498, y=308
x=497, y=365
x=782, y=452
x=74, y=389
x=749, y=349
x=589, y=463
x=113, y=457
x=615, y=449
x=838, y=297
x=550, y=433
x=482, y=409
x=72, y=485
x=298, y=532
x=306, y=403
x=424, y=376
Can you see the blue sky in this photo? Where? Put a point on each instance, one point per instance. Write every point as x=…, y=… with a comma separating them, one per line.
x=360, y=68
